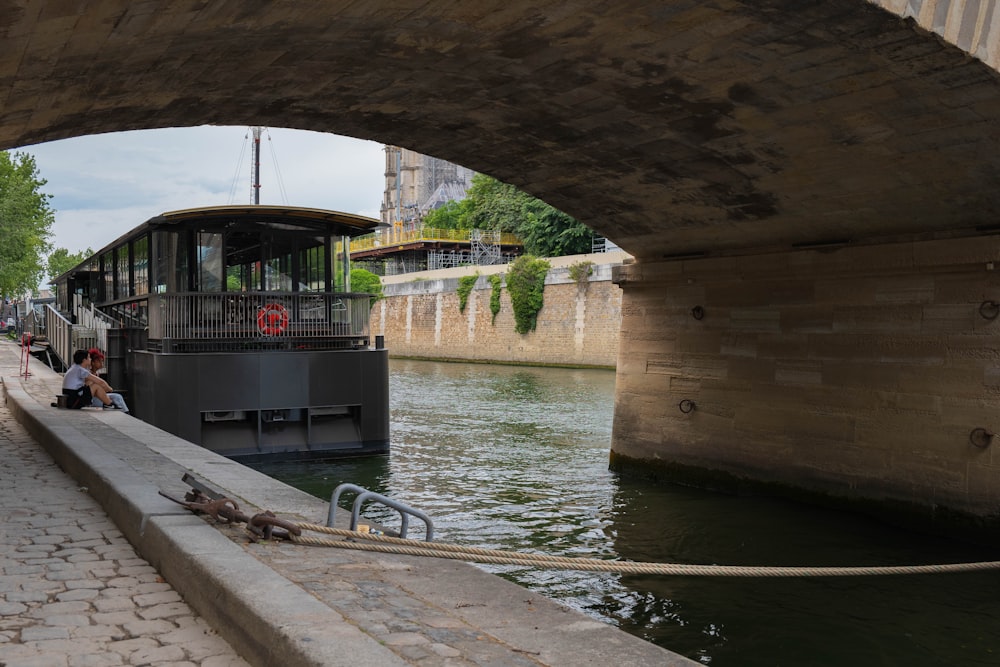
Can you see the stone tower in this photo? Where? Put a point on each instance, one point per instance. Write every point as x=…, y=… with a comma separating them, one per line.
x=416, y=183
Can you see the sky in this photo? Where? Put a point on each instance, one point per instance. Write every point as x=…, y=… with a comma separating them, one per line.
x=104, y=185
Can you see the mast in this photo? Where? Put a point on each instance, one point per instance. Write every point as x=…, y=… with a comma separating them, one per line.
x=255, y=184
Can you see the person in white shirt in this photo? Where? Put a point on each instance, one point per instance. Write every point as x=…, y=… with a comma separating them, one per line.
x=95, y=382
x=74, y=386
x=78, y=392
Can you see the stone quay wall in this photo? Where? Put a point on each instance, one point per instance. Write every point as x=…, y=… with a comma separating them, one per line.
x=578, y=324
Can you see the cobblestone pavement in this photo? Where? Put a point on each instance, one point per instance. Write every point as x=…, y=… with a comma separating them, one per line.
x=73, y=592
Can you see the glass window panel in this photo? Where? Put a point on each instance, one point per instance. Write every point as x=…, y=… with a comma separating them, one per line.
x=278, y=267
x=108, y=268
x=312, y=265
x=122, y=286
x=209, y=257
x=341, y=264
x=243, y=250
x=140, y=266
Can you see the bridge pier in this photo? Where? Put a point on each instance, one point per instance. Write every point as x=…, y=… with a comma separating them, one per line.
x=852, y=374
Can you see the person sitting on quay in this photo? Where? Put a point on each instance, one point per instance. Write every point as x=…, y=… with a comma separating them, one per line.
x=74, y=386
x=97, y=383
x=78, y=393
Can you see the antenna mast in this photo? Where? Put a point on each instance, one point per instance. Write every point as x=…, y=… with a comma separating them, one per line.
x=255, y=183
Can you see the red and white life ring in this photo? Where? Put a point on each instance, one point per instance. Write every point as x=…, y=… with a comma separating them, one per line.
x=272, y=319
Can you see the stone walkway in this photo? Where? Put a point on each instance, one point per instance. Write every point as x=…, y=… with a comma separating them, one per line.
x=73, y=592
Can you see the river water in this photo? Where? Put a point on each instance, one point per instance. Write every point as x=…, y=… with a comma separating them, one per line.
x=517, y=458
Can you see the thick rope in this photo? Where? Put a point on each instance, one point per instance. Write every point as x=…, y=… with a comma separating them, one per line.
x=385, y=544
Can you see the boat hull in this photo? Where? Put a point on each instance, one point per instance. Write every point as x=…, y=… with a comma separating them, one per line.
x=267, y=405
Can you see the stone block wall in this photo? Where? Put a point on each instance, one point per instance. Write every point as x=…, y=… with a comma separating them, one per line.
x=857, y=372
x=578, y=324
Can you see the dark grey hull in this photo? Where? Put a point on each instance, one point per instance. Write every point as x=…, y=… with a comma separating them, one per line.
x=267, y=405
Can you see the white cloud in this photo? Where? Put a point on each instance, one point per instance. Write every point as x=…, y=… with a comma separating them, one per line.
x=104, y=185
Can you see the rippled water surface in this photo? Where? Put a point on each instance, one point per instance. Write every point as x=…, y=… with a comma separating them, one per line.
x=517, y=458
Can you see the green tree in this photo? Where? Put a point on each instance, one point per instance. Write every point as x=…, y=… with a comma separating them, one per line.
x=25, y=224
x=491, y=204
x=61, y=260
x=548, y=232
x=363, y=280
x=545, y=231
x=450, y=216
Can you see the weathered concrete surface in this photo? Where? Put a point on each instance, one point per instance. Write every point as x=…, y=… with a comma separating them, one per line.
x=282, y=604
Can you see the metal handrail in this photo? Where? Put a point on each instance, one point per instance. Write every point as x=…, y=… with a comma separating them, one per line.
x=60, y=333
x=405, y=511
x=258, y=315
x=401, y=236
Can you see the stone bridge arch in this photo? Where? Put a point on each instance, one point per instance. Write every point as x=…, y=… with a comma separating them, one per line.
x=831, y=162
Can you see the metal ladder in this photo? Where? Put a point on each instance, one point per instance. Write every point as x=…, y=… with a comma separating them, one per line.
x=405, y=511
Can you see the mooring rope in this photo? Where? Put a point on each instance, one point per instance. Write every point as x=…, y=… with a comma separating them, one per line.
x=395, y=545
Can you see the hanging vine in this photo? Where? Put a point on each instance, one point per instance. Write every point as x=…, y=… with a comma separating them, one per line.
x=526, y=286
x=496, y=281
x=465, y=285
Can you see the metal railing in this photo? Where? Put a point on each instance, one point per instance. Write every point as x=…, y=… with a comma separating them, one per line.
x=258, y=320
x=60, y=333
x=397, y=236
x=405, y=511
x=90, y=318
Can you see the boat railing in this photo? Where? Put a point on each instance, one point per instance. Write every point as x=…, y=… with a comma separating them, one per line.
x=94, y=320
x=60, y=334
x=236, y=321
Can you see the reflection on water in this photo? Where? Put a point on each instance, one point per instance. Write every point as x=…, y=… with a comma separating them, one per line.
x=516, y=458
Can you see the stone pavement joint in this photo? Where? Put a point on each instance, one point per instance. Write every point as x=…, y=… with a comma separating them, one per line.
x=74, y=592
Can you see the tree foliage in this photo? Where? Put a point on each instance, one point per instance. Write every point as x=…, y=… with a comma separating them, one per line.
x=448, y=216
x=363, y=280
x=526, y=286
x=25, y=224
x=62, y=260
x=490, y=204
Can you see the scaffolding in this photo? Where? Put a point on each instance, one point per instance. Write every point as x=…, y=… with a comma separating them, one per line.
x=485, y=247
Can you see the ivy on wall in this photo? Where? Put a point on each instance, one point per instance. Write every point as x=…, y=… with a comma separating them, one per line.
x=526, y=286
x=465, y=285
x=496, y=281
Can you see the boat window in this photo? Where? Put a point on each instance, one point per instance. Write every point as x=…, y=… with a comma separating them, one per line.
x=161, y=261
x=312, y=264
x=140, y=264
x=108, y=269
x=342, y=265
x=209, y=258
x=94, y=279
x=278, y=263
x=243, y=272
x=122, y=266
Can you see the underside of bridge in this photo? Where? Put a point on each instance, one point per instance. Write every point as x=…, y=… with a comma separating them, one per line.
x=816, y=179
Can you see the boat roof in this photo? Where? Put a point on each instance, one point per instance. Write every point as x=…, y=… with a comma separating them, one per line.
x=334, y=222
